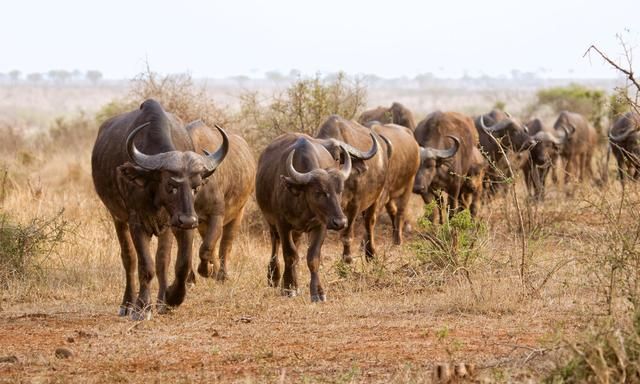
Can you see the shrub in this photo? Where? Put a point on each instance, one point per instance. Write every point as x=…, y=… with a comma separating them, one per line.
x=576, y=98
x=178, y=94
x=78, y=131
x=618, y=104
x=302, y=107
x=451, y=247
x=24, y=247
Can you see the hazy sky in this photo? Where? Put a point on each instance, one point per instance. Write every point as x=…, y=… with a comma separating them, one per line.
x=389, y=38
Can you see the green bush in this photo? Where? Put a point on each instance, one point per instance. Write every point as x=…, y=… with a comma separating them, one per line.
x=576, y=98
x=618, y=104
x=450, y=247
x=302, y=107
x=25, y=247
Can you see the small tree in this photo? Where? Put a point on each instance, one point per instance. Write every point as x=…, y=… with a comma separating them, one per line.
x=35, y=77
x=14, y=75
x=93, y=76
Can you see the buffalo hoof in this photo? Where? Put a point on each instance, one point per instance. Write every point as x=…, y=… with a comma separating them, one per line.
x=205, y=269
x=347, y=259
x=162, y=308
x=290, y=292
x=141, y=315
x=318, y=298
x=124, y=311
x=408, y=228
x=221, y=275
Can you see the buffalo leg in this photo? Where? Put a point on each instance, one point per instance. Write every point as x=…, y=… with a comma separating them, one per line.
x=453, y=198
x=163, y=258
x=347, y=234
x=146, y=272
x=313, y=262
x=177, y=291
x=273, y=273
x=369, y=226
x=402, y=202
x=129, y=262
x=290, y=255
x=226, y=243
x=212, y=229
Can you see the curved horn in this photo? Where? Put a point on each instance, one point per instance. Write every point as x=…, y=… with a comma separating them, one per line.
x=345, y=169
x=300, y=178
x=544, y=136
x=494, y=128
x=435, y=153
x=148, y=162
x=621, y=137
x=358, y=154
x=213, y=160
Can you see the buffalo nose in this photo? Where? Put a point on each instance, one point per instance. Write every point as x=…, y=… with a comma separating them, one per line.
x=418, y=189
x=188, y=221
x=338, y=223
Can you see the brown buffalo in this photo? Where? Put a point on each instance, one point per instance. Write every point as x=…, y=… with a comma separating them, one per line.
x=404, y=160
x=500, y=134
x=220, y=203
x=624, y=142
x=365, y=184
x=298, y=190
x=580, y=141
x=447, y=141
x=542, y=157
x=396, y=114
x=147, y=175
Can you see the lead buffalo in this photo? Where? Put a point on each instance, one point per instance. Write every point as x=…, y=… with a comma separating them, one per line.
x=580, y=141
x=366, y=182
x=448, y=143
x=396, y=114
x=500, y=135
x=298, y=190
x=624, y=141
x=147, y=175
x=404, y=161
x=220, y=203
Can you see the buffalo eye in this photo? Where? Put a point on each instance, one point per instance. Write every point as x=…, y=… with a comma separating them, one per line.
x=174, y=190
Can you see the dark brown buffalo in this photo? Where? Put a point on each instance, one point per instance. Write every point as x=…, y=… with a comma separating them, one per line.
x=500, y=134
x=365, y=184
x=147, y=175
x=396, y=114
x=220, y=203
x=298, y=190
x=447, y=141
x=624, y=142
x=542, y=157
x=403, y=153
x=577, y=151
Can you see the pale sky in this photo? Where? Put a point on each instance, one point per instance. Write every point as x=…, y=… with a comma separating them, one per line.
x=389, y=38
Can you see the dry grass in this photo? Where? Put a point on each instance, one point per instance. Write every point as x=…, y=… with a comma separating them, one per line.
x=391, y=320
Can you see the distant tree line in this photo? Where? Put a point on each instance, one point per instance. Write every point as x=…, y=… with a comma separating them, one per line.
x=54, y=76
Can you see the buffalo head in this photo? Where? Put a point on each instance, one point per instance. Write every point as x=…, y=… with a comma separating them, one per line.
x=432, y=163
x=172, y=178
x=321, y=189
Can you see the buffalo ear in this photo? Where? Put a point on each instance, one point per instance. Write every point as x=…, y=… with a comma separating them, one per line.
x=293, y=187
x=134, y=175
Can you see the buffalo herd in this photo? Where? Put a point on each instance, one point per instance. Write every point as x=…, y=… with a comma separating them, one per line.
x=160, y=177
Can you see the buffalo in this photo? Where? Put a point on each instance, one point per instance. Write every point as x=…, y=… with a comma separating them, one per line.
x=542, y=157
x=366, y=182
x=148, y=176
x=499, y=135
x=624, y=142
x=447, y=142
x=404, y=160
x=580, y=141
x=298, y=190
x=396, y=114
x=220, y=202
